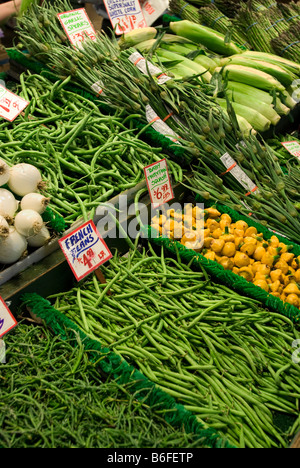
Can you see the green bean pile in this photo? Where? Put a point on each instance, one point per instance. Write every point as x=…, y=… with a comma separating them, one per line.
x=85, y=156
x=218, y=353
x=53, y=396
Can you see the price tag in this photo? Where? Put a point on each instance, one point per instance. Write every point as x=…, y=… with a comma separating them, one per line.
x=85, y=250
x=238, y=173
x=11, y=105
x=292, y=147
x=77, y=26
x=153, y=9
x=125, y=16
x=159, y=183
x=7, y=320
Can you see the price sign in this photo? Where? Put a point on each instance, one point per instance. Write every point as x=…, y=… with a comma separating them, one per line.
x=85, y=250
x=11, y=105
x=77, y=26
x=159, y=183
x=292, y=147
x=153, y=9
x=125, y=16
x=7, y=320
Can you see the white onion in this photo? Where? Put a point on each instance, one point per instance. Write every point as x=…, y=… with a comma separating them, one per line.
x=40, y=239
x=4, y=172
x=4, y=227
x=12, y=248
x=28, y=223
x=25, y=178
x=35, y=201
x=8, y=204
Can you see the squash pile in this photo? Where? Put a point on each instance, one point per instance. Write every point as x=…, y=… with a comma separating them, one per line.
x=236, y=246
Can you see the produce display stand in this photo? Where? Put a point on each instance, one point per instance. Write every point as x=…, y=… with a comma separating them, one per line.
x=29, y=287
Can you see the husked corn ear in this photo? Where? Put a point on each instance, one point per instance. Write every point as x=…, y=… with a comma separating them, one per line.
x=136, y=36
x=252, y=77
x=199, y=34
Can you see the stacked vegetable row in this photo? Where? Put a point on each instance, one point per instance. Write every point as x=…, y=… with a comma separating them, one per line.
x=261, y=87
x=121, y=83
x=237, y=247
x=45, y=375
x=21, y=222
x=267, y=26
x=65, y=148
x=221, y=355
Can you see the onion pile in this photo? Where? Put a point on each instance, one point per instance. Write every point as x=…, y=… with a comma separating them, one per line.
x=21, y=222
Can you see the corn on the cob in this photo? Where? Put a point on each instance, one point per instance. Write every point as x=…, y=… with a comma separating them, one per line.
x=282, y=75
x=255, y=119
x=250, y=101
x=253, y=77
x=259, y=95
x=167, y=56
x=136, y=36
x=201, y=59
x=276, y=59
x=199, y=34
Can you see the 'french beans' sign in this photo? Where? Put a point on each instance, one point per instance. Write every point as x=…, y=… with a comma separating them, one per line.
x=85, y=250
x=7, y=320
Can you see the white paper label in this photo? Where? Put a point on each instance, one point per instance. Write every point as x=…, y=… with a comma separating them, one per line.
x=77, y=26
x=11, y=105
x=125, y=16
x=159, y=183
x=2, y=352
x=7, y=320
x=153, y=9
x=85, y=250
x=159, y=125
x=239, y=174
x=293, y=147
x=97, y=88
x=146, y=67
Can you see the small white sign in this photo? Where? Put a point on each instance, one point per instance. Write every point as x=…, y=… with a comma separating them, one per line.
x=7, y=320
x=159, y=183
x=292, y=147
x=85, y=250
x=77, y=26
x=153, y=9
x=125, y=16
x=11, y=105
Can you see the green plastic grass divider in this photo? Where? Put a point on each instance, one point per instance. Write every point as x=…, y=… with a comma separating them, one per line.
x=218, y=272
x=112, y=364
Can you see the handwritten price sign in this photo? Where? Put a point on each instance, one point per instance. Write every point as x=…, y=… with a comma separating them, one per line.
x=159, y=183
x=292, y=147
x=7, y=320
x=125, y=16
x=85, y=250
x=77, y=26
x=11, y=105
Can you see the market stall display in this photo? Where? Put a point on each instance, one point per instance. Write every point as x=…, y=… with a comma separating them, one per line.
x=184, y=333
x=192, y=318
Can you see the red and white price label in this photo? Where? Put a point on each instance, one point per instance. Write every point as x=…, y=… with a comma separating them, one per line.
x=77, y=26
x=292, y=147
x=85, y=250
x=159, y=183
x=11, y=105
x=125, y=16
x=7, y=320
